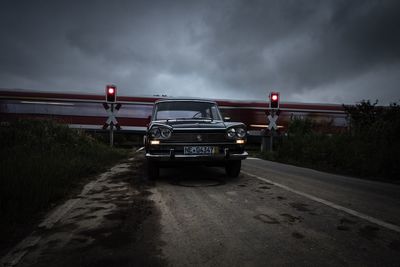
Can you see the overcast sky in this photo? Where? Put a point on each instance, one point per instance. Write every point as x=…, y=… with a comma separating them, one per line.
x=310, y=51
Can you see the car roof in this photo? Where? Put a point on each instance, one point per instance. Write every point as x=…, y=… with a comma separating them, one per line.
x=185, y=100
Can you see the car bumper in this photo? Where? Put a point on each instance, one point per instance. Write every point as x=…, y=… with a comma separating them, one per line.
x=220, y=157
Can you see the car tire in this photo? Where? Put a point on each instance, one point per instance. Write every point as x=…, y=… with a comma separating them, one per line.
x=232, y=168
x=153, y=170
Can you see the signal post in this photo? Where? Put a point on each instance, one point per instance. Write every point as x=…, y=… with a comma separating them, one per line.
x=272, y=116
x=111, y=98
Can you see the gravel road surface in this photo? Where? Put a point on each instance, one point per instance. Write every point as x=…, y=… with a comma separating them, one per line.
x=271, y=215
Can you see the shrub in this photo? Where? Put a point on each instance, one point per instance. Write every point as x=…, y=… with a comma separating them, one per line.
x=370, y=148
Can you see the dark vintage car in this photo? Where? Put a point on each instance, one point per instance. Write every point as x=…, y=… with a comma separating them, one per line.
x=185, y=131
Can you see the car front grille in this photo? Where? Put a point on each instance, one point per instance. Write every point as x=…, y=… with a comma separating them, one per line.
x=197, y=138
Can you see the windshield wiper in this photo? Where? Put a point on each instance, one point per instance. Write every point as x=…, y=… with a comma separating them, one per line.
x=203, y=118
x=197, y=118
x=182, y=119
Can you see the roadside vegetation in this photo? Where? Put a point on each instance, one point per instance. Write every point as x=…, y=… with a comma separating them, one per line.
x=41, y=162
x=370, y=147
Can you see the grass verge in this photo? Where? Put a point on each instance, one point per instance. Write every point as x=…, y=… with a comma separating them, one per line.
x=368, y=148
x=366, y=154
x=40, y=163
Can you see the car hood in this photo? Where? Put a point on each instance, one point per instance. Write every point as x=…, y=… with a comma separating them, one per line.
x=197, y=124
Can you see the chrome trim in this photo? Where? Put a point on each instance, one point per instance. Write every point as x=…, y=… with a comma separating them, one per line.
x=212, y=121
x=197, y=144
x=197, y=137
x=167, y=157
x=160, y=125
x=205, y=129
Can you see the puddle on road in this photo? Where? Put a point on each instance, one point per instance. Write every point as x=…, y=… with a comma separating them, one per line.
x=345, y=224
x=343, y=228
x=297, y=235
x=264, y=187
x=369, y=232
x=299, y=206
x=257, y=191
x=265, y=218
x=395, y=245
x=290, y=219
x=199, y=182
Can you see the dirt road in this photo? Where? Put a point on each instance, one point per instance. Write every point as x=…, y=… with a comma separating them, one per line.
x=195, y=216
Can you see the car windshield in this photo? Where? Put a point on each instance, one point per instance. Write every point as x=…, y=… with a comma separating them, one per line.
x=186, y=110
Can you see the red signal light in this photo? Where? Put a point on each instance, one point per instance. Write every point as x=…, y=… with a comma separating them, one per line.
x=274, y=100
x=111, y=93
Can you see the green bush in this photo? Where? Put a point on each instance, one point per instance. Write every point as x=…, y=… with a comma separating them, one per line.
x=370, y=147
x=40, y=161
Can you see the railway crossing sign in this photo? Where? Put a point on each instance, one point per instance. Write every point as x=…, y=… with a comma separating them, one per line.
x=272, y=118
x=272, y=121
x=112, y=112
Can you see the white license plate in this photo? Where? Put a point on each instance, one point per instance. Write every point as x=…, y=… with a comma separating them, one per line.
x=198, y=150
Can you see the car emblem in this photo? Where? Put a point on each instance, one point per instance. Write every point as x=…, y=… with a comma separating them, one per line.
x=199, y=138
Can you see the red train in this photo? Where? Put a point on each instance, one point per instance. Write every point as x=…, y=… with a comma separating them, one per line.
x=86, y=111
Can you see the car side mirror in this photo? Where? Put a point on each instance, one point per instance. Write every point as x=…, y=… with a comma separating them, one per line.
x=227, y=119
x=148, y=120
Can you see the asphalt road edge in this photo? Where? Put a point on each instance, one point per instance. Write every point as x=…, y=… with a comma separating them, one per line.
x=363, y=216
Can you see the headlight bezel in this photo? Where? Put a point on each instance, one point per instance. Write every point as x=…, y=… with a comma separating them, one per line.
x=159, y=132
x=240, y=132
x=236, y=132
x=231, y=133
x=165, y=132
x=155, y=132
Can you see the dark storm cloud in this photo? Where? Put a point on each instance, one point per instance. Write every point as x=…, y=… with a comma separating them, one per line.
x=337, y=51
x=301, y=47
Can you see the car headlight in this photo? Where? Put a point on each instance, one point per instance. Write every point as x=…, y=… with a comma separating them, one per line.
x=160, y=132
x=231, y=132
x=165, y=133
x=240, y=132
x=155, y=133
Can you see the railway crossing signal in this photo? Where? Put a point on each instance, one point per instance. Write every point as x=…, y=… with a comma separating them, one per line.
x=111, y=98
x=272, y=118
x=274, y=111
x=274, y=100
x=272, y=122
x=112, y=119
x=111, y=93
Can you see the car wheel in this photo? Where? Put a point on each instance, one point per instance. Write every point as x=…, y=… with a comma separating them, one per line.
x=153, y=170
x=232, y=168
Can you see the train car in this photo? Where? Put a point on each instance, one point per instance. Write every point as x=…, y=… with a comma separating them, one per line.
x=254, y=114
x=86, y=111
